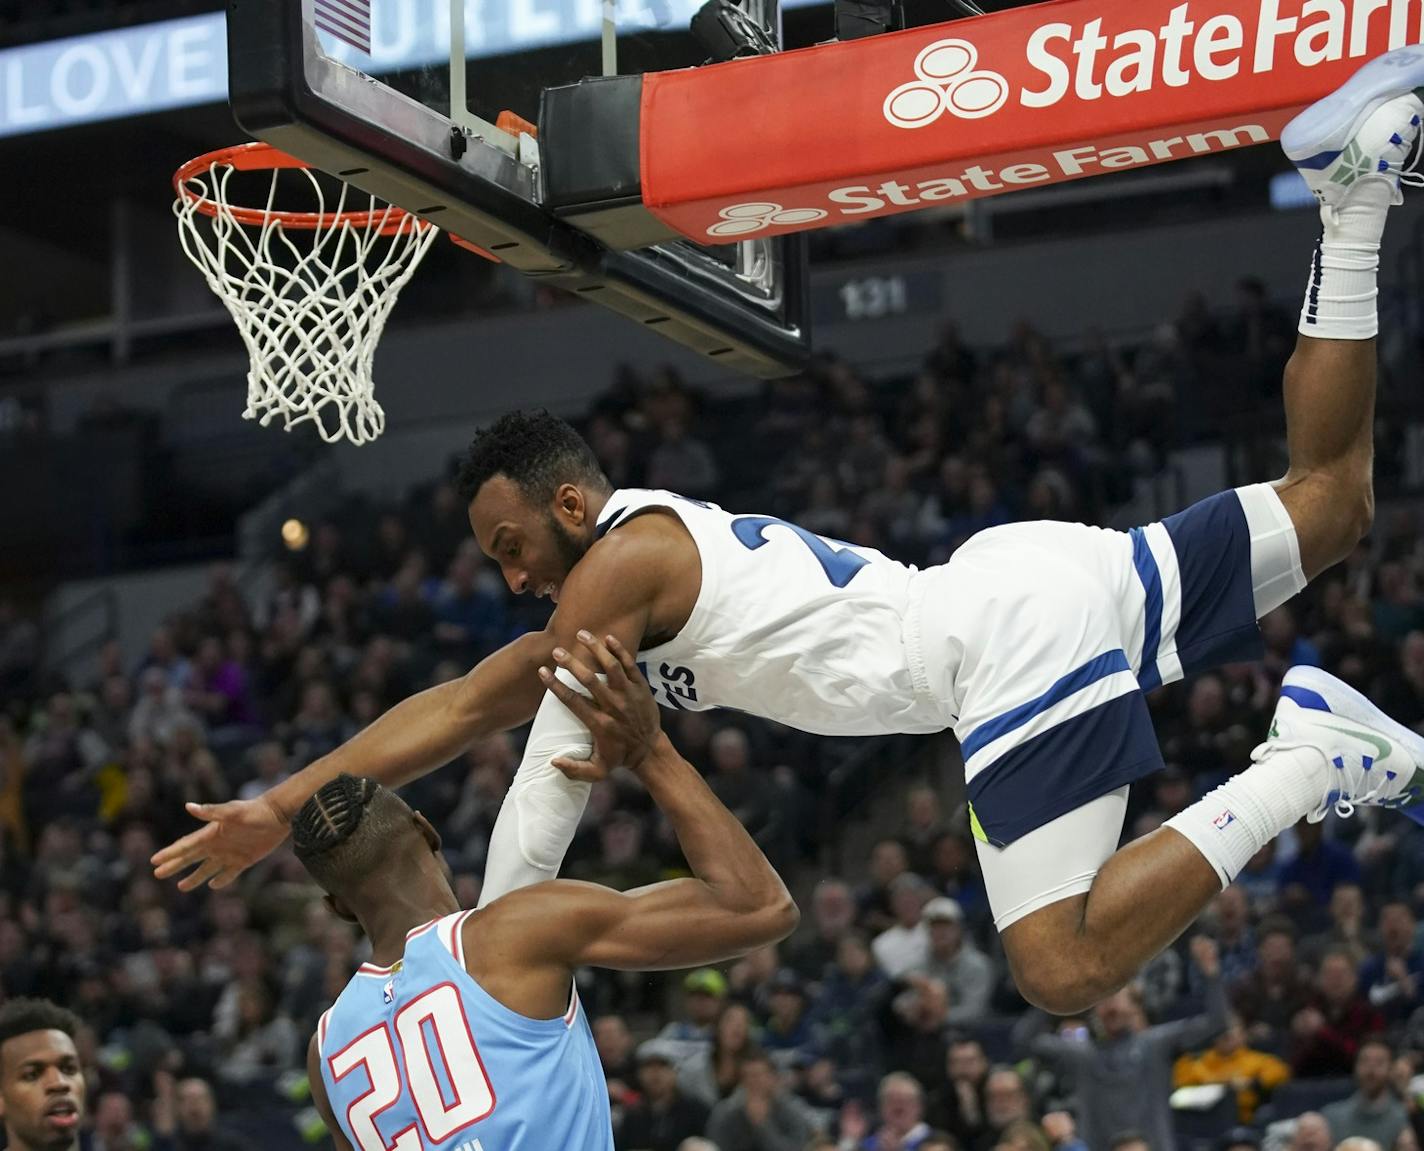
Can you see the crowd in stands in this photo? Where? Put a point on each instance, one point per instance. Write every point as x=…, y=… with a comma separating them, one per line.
x=1291, y=1015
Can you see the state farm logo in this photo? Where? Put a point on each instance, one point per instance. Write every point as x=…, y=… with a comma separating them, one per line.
x=947, y=81
x=743, y=219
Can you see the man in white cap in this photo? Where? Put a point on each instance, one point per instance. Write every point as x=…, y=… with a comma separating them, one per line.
x=965, y=970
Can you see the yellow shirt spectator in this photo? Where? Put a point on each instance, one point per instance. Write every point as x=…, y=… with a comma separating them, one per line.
x=1252, y=1074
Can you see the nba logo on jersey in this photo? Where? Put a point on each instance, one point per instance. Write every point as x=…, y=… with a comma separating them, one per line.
x=388, y=992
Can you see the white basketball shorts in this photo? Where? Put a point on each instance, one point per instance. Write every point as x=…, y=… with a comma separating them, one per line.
x=1044, y=636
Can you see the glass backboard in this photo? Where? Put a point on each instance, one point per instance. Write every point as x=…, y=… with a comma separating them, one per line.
x=403, y=98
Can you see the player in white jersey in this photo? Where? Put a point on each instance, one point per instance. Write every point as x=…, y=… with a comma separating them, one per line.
x=1034, y=643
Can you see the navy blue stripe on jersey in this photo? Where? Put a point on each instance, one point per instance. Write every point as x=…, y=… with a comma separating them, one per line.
x=1099, y=667
x=1070, y=764
x=1143, y=560
x=610, y=523
x=1213, y=546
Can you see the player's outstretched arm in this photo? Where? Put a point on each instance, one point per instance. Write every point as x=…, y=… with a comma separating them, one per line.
x=614, y=586
x=734, y=903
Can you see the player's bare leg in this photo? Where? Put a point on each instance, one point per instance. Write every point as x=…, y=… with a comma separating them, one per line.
x=1074, y=952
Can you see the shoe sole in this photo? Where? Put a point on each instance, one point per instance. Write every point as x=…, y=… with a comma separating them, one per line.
x=1328, y=124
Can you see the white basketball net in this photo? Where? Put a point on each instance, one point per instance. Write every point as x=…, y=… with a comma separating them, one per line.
x=310, y=300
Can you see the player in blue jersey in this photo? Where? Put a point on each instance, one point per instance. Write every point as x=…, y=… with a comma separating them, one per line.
x=463, y=1032
x=1035, y=643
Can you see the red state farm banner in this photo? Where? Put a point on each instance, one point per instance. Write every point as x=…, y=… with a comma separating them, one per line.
x=1031, y=96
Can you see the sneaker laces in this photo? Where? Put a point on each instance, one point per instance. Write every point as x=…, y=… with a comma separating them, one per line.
x=1410, y=175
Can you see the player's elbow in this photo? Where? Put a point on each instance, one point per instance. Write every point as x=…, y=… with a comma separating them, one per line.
x=777, y=917
x=788, y=916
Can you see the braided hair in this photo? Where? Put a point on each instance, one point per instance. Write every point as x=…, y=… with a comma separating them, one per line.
x=347, y=830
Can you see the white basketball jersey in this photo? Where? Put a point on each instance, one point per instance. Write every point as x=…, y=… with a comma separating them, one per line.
x=789, y=625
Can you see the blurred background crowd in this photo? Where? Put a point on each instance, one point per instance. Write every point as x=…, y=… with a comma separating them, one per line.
x=1291, y=1015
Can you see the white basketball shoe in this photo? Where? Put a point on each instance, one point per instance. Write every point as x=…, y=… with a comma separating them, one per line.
x=1366, y=129
x=1369, y=759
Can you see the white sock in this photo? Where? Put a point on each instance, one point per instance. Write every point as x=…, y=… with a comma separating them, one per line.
x=1340, y=298
x=1249, y=810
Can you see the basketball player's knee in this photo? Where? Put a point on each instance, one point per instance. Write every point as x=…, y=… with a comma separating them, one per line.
x=1064, y=980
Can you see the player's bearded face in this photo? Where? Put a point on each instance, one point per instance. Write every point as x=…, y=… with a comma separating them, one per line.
x=568, y=547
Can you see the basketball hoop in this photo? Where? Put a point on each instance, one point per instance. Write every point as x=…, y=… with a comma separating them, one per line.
x=310, y=291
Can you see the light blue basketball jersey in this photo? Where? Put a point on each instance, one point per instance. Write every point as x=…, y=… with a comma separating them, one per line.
x=417, y=1057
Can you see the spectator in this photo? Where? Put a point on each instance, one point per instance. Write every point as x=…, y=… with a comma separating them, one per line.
x=958, y=1104
x=1235, y=940
x=904, y=946
x=788, y=1027
x=1319, y=867
x=844, y=1012
x=1392, y=978
x=115, y=1128
x=1252, y=1075
x=915, y=1025
x=258, y=1040
x=1006, y=1102
x=1373, y=1111
x=218, y=689
x=711, y=1075
x=749, y=794
x=704, y=994
x=954, y=960
x=1240, y=1139
x=1124, y=1079
x=664, y=1116
x=191, y=1117
x=888, y=861
x=759, y=1115
x=1311, y=1133
x=684, y=463
x=1271, y=997
x=469, y=618
x=269, y=763
x=1348, y=931
x=1061, y=1132
x=1326, y=1035
x=901, y=1109
x=924, y=823
x=622, y=864
x=832, y=918
x=1129, y=1141
x=616, y=1055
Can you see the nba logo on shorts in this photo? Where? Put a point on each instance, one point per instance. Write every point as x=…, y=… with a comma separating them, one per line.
x=1223, y=821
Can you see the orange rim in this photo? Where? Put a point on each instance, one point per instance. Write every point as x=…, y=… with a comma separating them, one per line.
x=258, y=157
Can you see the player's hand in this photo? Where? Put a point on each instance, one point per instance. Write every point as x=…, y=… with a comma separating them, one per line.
x=1206, y=955
x=619, y=711
x=233, y=837
x=1059, y=1127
